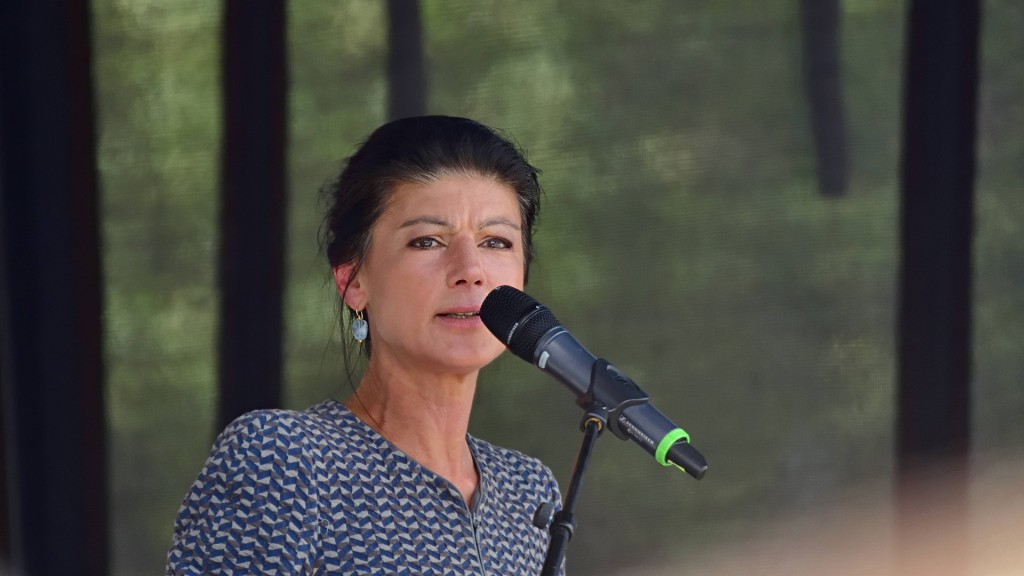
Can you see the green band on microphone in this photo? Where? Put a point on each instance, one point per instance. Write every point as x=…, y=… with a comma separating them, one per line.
x=667, y=442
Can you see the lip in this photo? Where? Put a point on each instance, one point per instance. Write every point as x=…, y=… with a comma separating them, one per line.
x=468, y=322
x=461, y=310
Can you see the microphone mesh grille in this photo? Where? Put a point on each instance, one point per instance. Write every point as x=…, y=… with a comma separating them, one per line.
x=516, y=319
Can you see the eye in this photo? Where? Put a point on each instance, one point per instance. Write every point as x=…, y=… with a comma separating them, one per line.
x=497, y=243
x=425, y=243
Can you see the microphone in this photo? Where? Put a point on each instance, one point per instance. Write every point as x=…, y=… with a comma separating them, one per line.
x=533, y=333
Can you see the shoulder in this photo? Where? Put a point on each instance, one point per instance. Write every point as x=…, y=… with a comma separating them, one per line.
x=276, y=429
x=248, y=436
x=260, y=446
x=508, y=464
x=260, y=425
x=260, y=457
x=253, y=507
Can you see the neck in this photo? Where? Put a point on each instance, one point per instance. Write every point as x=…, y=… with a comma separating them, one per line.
x=424, y=415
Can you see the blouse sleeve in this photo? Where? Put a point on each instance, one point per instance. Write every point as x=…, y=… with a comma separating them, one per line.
x=253, y=508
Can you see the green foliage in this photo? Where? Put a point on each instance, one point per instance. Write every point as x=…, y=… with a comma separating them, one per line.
x=337, y=65
x=998, y=378
x=156, y=77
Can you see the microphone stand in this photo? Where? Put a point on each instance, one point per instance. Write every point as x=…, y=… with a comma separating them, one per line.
x=607, y=388
x=563, y=524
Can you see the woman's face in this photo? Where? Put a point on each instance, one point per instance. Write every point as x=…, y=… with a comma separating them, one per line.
x=434, y=255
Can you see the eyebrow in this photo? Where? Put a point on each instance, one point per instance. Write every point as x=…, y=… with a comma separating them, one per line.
x=436, y=221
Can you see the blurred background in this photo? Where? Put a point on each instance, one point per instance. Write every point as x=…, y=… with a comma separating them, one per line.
x=722, y=220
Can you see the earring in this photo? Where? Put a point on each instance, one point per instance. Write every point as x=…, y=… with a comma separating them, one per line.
x=360, y=329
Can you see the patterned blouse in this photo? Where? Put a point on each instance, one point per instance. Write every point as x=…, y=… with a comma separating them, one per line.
x=320, y=492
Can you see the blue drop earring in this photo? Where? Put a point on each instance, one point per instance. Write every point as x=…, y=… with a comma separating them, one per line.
x=360, y=329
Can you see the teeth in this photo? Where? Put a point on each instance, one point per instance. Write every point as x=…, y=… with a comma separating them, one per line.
x=462, y=314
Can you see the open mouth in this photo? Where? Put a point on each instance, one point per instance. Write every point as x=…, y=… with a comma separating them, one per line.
x=460, y=314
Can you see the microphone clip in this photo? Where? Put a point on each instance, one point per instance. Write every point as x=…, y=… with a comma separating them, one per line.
x=610, y=393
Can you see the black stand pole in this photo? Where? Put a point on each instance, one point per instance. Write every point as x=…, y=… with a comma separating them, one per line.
x=564, y=523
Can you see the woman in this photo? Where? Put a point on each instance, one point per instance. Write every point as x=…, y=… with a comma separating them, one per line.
x=426, y=218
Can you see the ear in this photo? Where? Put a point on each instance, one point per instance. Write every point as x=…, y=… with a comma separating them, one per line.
x=350, y=286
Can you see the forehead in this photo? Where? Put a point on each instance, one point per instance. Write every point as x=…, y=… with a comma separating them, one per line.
x=454, y=195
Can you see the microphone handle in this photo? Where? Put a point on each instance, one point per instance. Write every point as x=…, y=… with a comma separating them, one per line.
x=661, y=438
x=561, y=355
x=558, y=353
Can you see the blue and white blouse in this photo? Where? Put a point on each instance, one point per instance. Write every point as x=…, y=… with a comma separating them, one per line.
x=320, y=492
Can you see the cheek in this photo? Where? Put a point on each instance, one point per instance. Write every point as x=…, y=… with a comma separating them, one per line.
x=513, y=274
x=390, y=318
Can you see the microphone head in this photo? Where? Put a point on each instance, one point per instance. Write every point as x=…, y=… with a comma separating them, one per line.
x=516, y=319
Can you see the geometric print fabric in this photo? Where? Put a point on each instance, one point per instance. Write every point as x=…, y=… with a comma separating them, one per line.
x=320, y=492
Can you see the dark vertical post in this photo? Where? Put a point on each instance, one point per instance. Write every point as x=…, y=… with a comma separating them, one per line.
x=407, y=77
x=5, y=508
x=251, y=267
x=50, y=325
x=933, y=429
x=823, y=84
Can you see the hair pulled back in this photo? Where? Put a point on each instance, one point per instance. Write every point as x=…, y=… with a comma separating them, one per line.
x=420, y=150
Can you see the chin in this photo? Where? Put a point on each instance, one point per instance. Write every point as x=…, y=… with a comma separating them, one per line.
x=466, y=361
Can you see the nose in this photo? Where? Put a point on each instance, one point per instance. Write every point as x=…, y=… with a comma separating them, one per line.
x=464, y=265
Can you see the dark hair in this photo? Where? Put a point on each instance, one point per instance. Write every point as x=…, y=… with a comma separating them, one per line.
x=419, y=150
